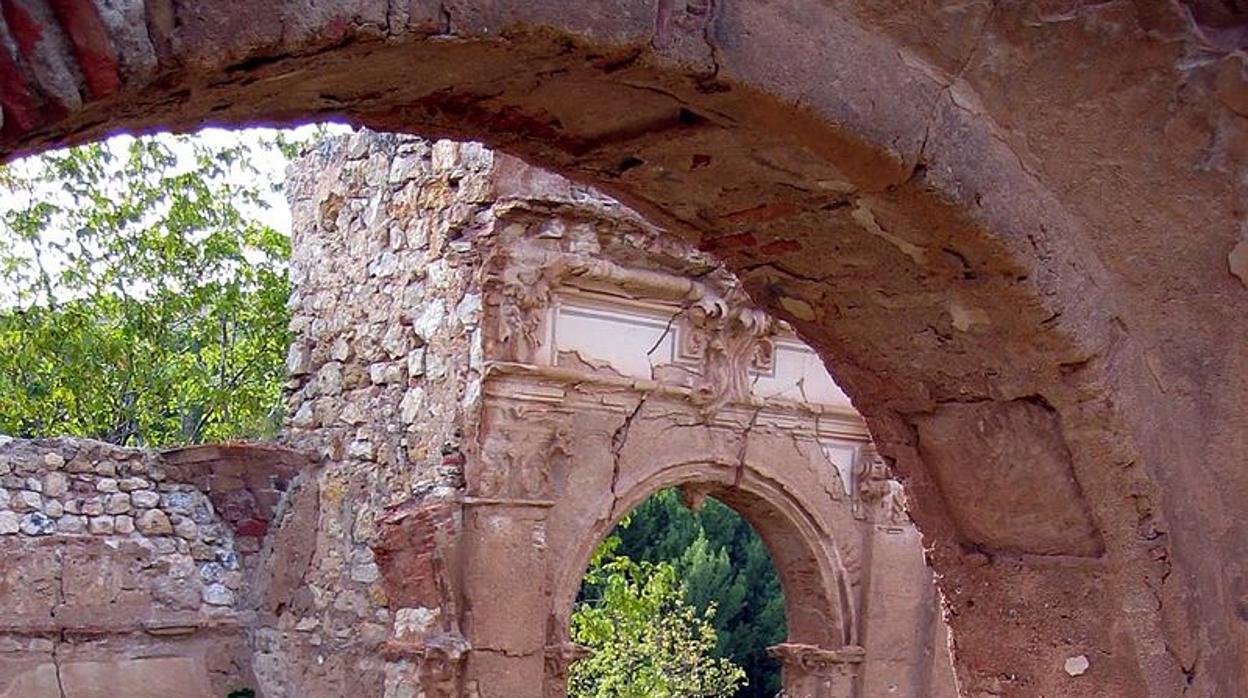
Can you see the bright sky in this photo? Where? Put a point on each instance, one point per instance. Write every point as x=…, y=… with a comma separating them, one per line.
x=271, y=167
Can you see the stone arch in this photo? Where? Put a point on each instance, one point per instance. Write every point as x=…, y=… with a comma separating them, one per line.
x=818, y=601
x=847, y=130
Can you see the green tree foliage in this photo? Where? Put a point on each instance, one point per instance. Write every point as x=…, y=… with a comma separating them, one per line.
x=647, y=640
x=142, y=295
x=722, y=564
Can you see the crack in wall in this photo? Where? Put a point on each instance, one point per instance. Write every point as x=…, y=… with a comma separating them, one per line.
x=743, y=449
x=919, y=166
x=618, y=439
x=58, y=602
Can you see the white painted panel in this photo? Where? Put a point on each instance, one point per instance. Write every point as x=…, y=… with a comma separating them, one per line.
x=799, y=375
x=629, y=342
x=843, y=455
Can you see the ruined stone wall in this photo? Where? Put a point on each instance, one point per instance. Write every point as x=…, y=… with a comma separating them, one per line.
x=392, y=240
x=427, y=532
x=384, y=373
x=123, y=571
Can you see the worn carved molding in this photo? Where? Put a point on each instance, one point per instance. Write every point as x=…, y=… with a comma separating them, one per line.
x=819, y=661
x=522, y=457
x=880, y=498
x=833, y=420
x=729, y=336
x=816, y=672
x=518, y=287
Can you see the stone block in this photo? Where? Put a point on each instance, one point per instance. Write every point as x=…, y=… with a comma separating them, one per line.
x=167, y=677
x=154, y=522
x=1004, y=470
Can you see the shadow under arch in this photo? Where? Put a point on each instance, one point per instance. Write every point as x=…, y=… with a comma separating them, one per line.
x=819, y=607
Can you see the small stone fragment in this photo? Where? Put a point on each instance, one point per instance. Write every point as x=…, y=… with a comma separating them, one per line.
x=1077, y=665
x=36, y=523
x=178, y=502
x=55, y=484
x=144, y=499
x=10, y=523
x=117, y=503
x=366, y=573
x=218, y=595
x=26, y=500
x=100, y=525
x=132, y=484
x=71, y=524
x=123, y=524
x=411, y=404
x=53, y=461
x=185, y=527
x=298, y=360
x=154, y=522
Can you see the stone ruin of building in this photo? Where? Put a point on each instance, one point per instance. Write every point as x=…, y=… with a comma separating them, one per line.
x=1014, y=231
x=491, y=367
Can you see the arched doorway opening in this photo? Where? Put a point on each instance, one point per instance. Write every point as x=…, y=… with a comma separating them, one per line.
x=808, y=587
x=719, y=562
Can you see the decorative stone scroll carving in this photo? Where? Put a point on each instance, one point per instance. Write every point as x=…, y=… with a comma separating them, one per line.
x=517, y=291
x=809, y=671
x=880, y=498
x=728, y=336
x=559, y=657
x=523, y=455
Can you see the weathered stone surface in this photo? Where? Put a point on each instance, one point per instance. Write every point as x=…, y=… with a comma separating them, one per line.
x=176, y=677
x=523, y=443
x=1028, y=155
x=76, y=569
x=1005, y=472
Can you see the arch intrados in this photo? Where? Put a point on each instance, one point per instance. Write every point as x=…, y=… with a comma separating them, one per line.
x=812, y=577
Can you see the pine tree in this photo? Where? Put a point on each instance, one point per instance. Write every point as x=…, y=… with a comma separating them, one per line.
x=723, y=564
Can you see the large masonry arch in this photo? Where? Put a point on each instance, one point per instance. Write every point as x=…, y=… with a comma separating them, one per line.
x=970, y=212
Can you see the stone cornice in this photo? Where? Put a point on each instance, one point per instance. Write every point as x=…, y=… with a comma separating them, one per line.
x=829, y=420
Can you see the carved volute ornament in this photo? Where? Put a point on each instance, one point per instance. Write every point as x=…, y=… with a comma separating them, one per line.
x=879, y=497
x=517, y=291
x=729, y=337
